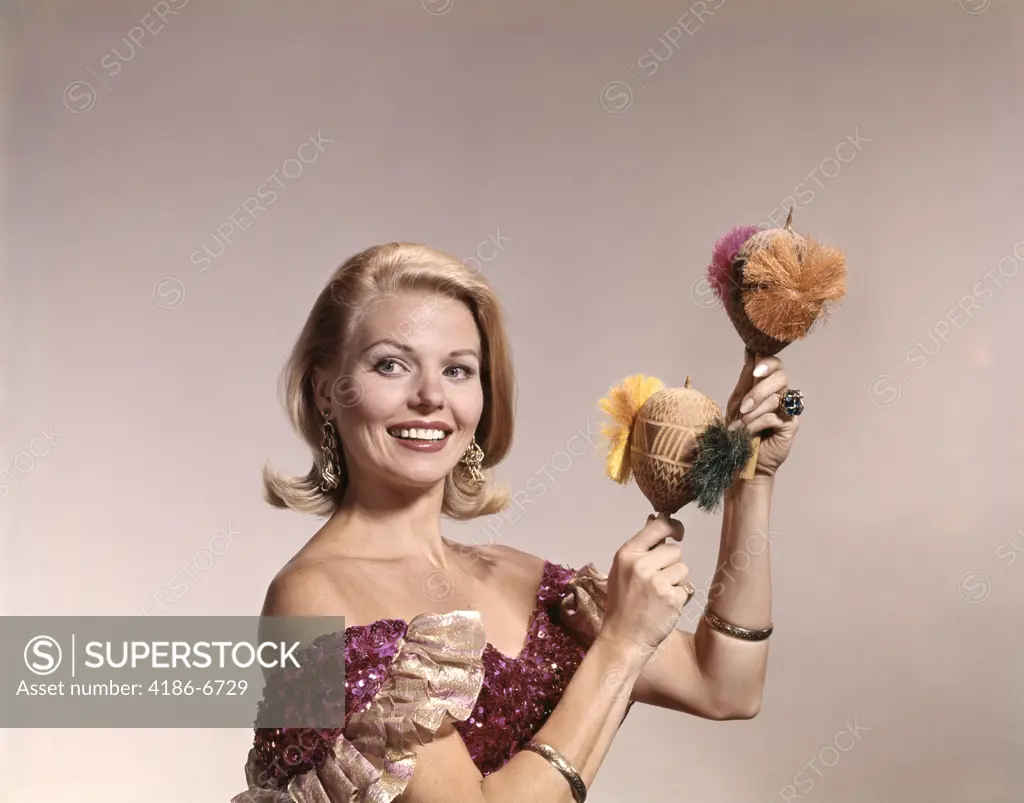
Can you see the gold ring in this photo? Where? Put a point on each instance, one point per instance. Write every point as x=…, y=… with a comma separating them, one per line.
x=690, y=591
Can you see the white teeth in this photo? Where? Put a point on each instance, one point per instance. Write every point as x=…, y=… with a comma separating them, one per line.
x=420, y=434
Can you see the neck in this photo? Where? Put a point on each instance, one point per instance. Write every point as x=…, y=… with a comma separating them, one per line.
x=380, y=522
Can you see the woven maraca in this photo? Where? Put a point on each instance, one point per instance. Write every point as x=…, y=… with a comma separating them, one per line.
x=775, y=285
x=673, y=441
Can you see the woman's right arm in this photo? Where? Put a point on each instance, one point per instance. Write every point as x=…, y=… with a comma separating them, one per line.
x=644, y=604
x=581, y=728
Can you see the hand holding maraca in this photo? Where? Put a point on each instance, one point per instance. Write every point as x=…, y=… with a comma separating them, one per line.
x=755, y=403
x=647, y=587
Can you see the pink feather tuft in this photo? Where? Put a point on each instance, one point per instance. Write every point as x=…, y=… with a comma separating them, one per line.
x=720, y=269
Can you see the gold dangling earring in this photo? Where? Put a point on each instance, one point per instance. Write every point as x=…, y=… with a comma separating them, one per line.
x=330, y=473
x=471, y=461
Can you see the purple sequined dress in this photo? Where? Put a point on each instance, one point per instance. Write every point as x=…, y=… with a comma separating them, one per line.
x=404, y=680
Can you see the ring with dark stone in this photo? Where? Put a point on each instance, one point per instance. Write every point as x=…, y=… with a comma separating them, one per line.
x=792, y=402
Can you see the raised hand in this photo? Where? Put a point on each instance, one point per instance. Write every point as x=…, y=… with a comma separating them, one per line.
x=755, y=403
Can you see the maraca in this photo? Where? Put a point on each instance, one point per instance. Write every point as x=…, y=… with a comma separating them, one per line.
x=674, y=441
x=775, y=285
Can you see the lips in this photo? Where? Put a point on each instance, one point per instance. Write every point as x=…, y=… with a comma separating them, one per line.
x=419, y=434
x=420, y=431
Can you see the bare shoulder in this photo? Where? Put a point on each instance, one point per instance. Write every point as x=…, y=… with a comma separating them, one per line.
x=524, y=566
x=510, y=553
x=304, y=588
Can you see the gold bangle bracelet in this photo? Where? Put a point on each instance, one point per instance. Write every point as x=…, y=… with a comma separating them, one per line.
x=557, y=760
x=741, y=633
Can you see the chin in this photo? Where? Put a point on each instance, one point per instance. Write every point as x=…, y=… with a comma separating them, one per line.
x=421, y=476
x=416, y=482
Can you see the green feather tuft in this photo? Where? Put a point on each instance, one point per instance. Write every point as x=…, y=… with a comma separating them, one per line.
x=720, y=454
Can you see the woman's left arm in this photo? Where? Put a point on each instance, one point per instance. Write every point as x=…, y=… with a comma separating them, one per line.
x=708, y=673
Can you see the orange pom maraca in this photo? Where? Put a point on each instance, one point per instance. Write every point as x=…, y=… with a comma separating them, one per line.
x=673, y=441
x=775, y=285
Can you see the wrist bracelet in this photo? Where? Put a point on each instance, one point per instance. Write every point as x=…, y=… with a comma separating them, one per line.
x=557, y=760
x=741, y=633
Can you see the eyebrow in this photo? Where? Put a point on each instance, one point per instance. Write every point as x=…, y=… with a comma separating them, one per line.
x=408, y=350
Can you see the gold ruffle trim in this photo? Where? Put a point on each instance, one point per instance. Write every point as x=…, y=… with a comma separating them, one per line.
x=582, y=608
x=436, y=676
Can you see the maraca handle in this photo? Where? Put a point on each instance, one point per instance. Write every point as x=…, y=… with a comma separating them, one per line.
x=748, y=469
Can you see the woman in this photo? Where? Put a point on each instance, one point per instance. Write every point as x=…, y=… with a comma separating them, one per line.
x=495, y=675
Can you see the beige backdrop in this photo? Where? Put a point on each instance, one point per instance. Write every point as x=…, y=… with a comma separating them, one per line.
x=586, y=156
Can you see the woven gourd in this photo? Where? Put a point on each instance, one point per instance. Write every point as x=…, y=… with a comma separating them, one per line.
x=664, y=444
x=673, y=441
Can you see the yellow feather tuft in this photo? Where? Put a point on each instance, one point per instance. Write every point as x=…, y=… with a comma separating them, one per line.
x=622, y=404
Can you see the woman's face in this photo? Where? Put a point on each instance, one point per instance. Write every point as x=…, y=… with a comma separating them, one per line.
x=409, y=396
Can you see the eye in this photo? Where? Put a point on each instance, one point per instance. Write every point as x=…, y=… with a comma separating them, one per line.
x=387, y=365
x=461, y=371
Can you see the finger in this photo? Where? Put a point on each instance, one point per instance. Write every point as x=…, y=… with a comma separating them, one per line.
x=769, y=405
x=766, y=366
x=665, y=517
x=682, y=595
x=768, y=421
x=661, y=556
x=762, y=389
x=678, y=530
x=654, y=532
x=675, y=574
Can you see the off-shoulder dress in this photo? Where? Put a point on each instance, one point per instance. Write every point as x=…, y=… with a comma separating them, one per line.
x=404, y=680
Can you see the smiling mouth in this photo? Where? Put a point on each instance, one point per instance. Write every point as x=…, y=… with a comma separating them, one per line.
x=419, y=434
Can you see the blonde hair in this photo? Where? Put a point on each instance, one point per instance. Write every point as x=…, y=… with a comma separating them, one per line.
x=369, y=275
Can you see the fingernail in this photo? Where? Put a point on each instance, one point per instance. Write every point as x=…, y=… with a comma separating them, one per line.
x=761, y=370
x=736, y=424
x=748, y=403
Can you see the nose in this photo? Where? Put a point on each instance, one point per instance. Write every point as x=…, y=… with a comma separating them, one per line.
x=429, y=394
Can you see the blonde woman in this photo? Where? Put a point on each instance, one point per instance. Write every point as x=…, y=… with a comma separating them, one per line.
x=511, y=685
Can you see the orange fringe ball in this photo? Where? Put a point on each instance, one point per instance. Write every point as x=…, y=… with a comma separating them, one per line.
x=789, y=281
